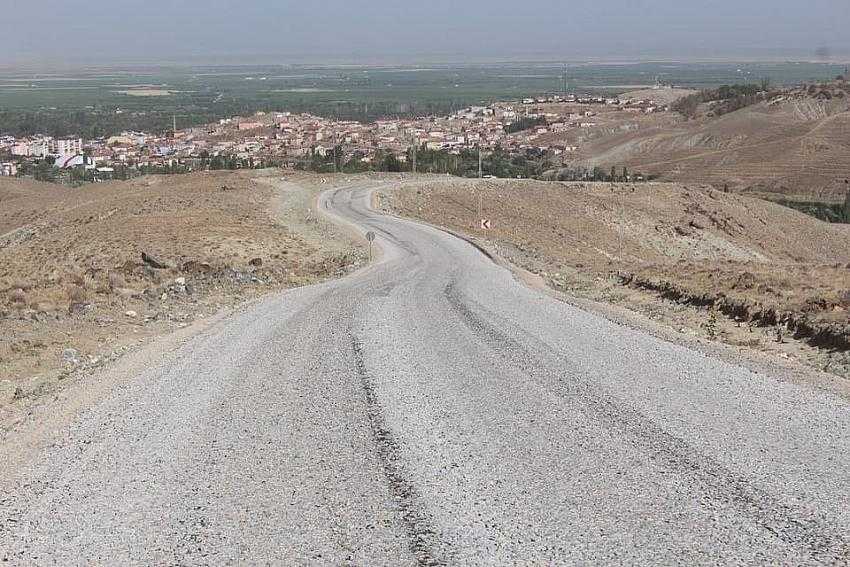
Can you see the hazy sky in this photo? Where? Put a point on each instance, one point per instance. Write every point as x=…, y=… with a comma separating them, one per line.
x=65, y=31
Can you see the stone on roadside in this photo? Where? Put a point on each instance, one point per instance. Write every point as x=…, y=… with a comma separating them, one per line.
x=153, y=262
x=71, y=356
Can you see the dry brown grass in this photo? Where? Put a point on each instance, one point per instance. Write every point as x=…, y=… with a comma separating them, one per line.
x=691, y=243
x=18, y=296
x=21, y=284
x=42, y=306
x=76, y=294
x=795, y=146
x=76, y=277
x=84, y=245
x=116, y=281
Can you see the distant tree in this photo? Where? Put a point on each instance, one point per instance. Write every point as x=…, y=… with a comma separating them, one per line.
x=524, y=124
x=847, y=201
x=390, y=163
x=688, y=106
x=598, y=174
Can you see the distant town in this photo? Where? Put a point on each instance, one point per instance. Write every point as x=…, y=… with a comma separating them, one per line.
x=536, y=126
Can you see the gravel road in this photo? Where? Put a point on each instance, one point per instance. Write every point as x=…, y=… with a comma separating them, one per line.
x=431, y=410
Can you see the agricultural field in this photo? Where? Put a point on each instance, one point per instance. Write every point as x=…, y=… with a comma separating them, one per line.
x=149, y=97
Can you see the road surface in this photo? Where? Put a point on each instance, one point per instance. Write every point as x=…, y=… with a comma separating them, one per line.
x=431, y=410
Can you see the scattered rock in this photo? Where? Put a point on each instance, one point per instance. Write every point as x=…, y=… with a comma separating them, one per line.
x=153, y=262
x=180, y=281
x=151, y=273
x=131, y=314
x=80, y=308
x=126, y=292
x=70, y=357
x=193, y=266
x=697, y=224
x=256, y=262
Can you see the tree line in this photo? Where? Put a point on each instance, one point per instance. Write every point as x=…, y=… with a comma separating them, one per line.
x=727, y=98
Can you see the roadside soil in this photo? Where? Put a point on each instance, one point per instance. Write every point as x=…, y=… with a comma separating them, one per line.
x=77, y=293
x=718, y=266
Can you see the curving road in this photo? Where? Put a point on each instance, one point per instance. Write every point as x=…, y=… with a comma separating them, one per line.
x=431, y=410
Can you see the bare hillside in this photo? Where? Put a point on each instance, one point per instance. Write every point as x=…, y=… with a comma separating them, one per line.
x=796, y=143
x=756, y=261
x=86, y=271
x=661, y=95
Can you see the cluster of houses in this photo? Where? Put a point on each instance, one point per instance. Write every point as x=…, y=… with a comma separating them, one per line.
x=287, y=139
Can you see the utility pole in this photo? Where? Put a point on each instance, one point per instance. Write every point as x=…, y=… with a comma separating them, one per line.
x=174, y=129
x=415, y=143
x=336, y=143
x=480, y=163
x=565, y=81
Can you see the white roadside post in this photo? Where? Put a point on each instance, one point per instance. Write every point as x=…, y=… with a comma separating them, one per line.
x=370, y=237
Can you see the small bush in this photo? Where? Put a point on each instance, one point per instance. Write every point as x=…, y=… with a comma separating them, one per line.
x=18, y=297
x=116, y=281
x=76, y=295
x=42, y=306
x=20, y=284
x=77, y=279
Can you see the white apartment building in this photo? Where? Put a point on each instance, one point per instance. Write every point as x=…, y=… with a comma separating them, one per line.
x=21, y=149
x=67, y=147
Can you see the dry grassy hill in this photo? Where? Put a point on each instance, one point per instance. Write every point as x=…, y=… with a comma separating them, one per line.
x=796, y=143
x=756, y=261
x=662, y=95
x=72, y=273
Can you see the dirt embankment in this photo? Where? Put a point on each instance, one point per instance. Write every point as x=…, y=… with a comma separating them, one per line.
x=669, y=250
x=86, y=273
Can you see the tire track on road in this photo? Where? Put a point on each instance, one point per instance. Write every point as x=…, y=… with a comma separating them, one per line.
x=423, y=539
x=801, y=529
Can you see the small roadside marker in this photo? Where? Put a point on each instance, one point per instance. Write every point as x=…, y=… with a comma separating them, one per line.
x=370, y=237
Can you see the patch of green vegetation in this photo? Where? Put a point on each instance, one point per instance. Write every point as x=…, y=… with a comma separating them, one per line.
x=829, y=212
x=727, y=98
x=95, y=102
x=525, y=123
x=496, y=163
